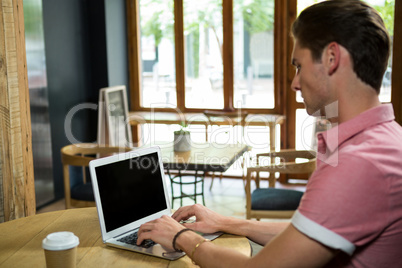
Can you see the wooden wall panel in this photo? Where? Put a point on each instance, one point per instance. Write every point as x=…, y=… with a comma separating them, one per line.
x=17, y=191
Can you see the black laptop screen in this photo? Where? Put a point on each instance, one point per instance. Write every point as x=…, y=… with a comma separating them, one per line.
x=130, y=190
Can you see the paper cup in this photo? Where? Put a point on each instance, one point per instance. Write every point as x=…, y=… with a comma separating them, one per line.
x=60, y=250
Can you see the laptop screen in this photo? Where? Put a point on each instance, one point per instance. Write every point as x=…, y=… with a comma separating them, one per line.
x=130, y=190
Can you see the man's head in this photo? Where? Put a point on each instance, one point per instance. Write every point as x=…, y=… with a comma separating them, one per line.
x=352, y=24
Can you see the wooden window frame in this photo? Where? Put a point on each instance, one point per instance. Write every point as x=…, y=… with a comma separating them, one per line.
x=228, y=73
x=396, y=82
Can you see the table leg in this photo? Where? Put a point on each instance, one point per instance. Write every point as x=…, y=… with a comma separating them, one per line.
x=199, y=177
x=272, y=148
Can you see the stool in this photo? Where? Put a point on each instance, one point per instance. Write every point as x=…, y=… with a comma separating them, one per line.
x=75, y=159
x=79, y=189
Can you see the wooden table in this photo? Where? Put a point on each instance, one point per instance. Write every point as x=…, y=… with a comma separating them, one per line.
x=171, y=118
x=207, y=157
x=201, y=159
x=21, y=242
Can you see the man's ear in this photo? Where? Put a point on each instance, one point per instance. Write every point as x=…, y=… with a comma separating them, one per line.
x=333, y=55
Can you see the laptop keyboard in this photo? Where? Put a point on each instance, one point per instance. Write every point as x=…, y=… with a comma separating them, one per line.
x=132, y=240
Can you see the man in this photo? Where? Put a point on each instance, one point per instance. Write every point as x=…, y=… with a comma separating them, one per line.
x=351, y=212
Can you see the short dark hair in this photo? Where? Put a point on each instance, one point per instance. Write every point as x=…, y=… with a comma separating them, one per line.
x=352, y=24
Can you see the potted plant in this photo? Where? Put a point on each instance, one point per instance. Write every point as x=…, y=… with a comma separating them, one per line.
x=182, y=140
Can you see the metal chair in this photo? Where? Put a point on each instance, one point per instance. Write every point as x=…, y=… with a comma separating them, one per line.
x=75, y=159
x=273, y=202
x=187, y=178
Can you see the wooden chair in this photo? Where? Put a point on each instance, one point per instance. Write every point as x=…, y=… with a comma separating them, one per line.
x=230, y=118
x=75, y=159
x=273, y=202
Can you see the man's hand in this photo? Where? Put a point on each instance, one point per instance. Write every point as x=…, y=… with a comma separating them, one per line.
x=161, y=231
x=207, y=221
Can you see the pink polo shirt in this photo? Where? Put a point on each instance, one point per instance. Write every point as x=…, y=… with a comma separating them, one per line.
x=353, y=201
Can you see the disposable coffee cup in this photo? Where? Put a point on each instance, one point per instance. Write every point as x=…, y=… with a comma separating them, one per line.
x=60, y=250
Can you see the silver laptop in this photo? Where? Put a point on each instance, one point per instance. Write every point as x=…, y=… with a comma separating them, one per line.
x=130, y=190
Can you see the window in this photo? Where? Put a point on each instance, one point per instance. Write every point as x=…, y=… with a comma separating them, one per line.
x=238, y=79
x=208, y=54
x=203, y=52
x=158, y=87
x=253, y=41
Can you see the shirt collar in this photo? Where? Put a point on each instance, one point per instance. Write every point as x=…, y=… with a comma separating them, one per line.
x=334, y=137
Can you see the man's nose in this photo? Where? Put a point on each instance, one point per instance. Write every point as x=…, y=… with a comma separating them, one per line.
x=295, y=86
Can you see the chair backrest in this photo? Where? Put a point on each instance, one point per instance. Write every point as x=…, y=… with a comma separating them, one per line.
x=231, y=118
x=79, y=155
x=287, y=164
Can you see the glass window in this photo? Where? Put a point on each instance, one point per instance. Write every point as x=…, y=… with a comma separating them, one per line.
x=253, y=39
x=157, y=54
x=386, y=8
x=202, y=55
x=302, y=4
x=203, y=38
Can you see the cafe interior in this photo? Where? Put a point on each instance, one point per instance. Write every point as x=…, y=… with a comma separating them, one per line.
x=217, y=69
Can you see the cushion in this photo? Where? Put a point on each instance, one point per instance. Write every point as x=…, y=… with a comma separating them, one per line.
x=275, y=199
x=79, y=190
x=83, y=192
x=76, y=177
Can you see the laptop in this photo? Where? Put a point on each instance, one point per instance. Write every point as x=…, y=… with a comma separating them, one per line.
x=130, y=190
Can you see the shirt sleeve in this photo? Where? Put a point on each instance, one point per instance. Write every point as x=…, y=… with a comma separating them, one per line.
x=344, y=206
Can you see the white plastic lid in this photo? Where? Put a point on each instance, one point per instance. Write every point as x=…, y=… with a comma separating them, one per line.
x=60, y=241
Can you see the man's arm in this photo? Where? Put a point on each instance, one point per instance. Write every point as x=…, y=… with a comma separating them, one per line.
x=257, y=231
x=208, y=221
x=290, y=248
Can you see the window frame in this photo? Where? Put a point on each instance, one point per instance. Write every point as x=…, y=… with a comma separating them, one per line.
x=396, y=82
x=133, y=28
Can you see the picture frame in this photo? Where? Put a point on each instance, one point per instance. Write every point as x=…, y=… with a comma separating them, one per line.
x=113, y=128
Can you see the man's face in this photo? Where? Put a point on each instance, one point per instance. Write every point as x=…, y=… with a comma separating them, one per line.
x=311, y=80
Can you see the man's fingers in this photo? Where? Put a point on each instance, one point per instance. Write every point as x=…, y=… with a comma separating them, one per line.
x=144, y=232
x=183, y=214
x=143, y=236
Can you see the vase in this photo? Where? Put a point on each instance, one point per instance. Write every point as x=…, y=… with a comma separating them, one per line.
x=182, y=141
